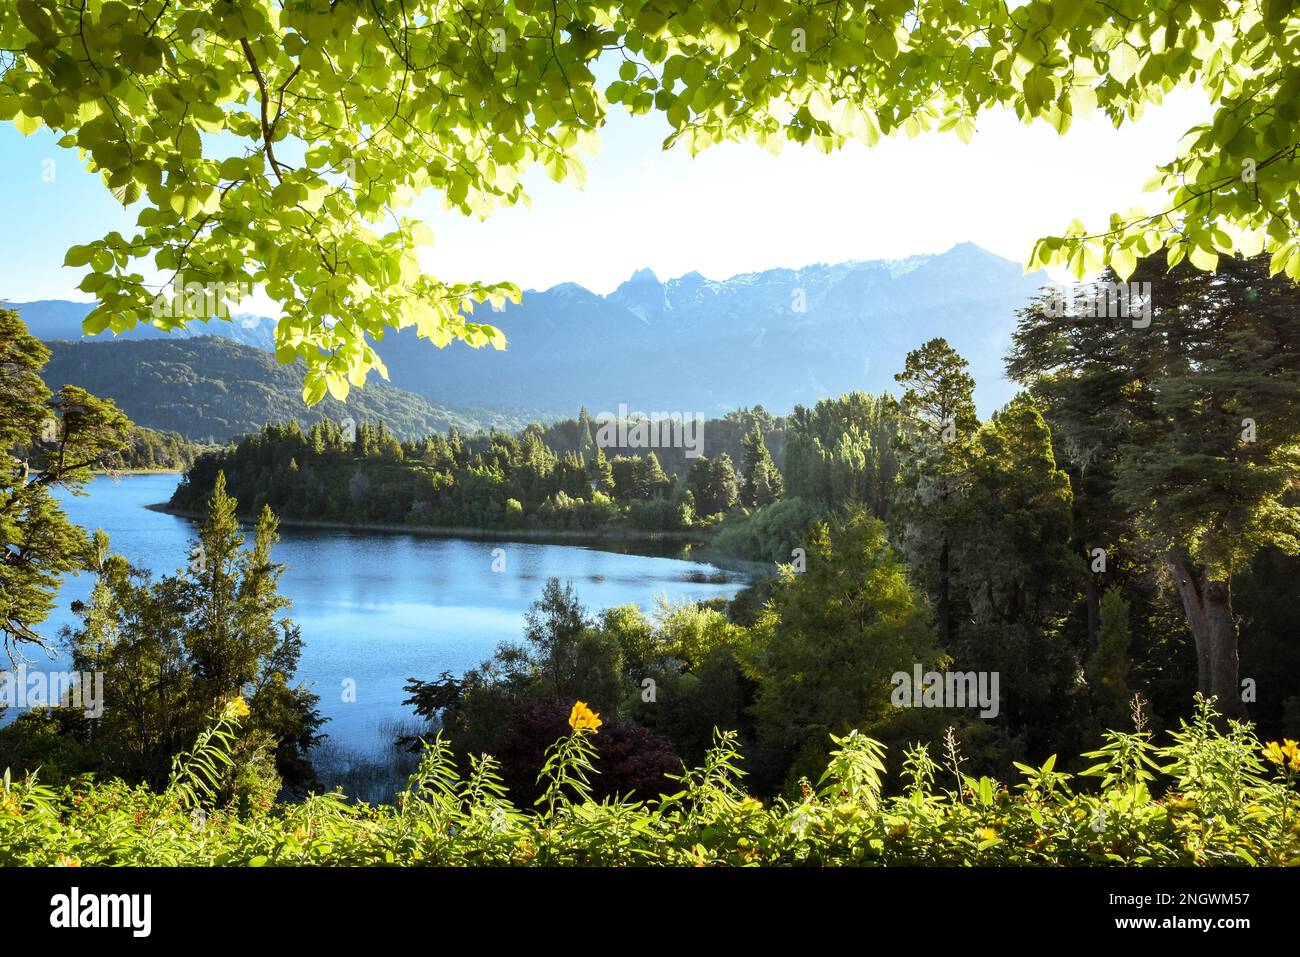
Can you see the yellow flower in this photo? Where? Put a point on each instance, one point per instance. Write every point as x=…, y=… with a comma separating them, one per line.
x=237, y=708
x=987, y=834
x=1277, y=753
x=582, y=718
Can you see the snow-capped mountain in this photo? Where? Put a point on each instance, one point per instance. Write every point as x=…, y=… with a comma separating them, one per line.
x=692, y=344
x=779, y=337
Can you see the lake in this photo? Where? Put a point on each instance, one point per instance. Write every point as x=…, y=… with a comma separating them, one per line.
x=377, y=608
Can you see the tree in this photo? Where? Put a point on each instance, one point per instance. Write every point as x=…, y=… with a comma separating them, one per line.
x=176, y=650
x=47, y=442
x=237, y=640
x=1013, y=578
x=652, y=482
x=938, y=411
x=1203, y=405
x=1108, y=667
x=601, y=475
x=563, y=655
x=713, y=484
x=762, y=484
x=844, y=451
x=346, y=112
x=830, y=639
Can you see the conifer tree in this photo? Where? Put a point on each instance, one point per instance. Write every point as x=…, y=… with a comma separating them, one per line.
x=1196, y=407
x=47, y=442
x=938, y=411
x=763, y=484
x=1108, y=666
x=600, y=474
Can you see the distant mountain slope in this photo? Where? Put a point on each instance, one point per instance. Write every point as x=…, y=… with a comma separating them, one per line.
x=698, y=345
x=60, y=319
x=694, y=344
x=209, y=388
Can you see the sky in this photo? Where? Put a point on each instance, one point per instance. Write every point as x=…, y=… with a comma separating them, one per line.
x=732, y=209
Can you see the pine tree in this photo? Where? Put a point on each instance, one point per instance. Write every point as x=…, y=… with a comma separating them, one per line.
x=1108, y=667
x=586, y=444
x=762, y=485
x=47, y=442
x=652, y=482
x=938, y=410
x=1195, y=409
x=600, y=474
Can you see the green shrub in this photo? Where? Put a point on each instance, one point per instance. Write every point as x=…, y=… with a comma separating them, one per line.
x=1223, y=800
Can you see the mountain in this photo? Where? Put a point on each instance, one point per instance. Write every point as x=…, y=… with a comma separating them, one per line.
x=691, y=344
x=60, y=319
x=210, y=388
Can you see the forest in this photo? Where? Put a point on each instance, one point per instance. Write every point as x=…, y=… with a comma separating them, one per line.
x=1118, y=544
x=902, y=532
x=151, y=450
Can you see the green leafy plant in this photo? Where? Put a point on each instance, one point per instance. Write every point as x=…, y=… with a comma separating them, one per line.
x=446, y=818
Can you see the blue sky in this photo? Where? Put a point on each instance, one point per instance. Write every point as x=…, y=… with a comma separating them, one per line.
x=732, y=209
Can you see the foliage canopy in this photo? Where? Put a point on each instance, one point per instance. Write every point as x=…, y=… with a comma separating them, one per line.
x=274, y=142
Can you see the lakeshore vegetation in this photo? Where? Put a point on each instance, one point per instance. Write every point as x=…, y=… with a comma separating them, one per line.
x=1146, y=716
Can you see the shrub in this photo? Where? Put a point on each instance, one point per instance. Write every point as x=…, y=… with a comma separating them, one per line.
x=1223, y=800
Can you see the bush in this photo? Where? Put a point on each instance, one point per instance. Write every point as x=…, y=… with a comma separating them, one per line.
x=770, y=533
x=1225, y=801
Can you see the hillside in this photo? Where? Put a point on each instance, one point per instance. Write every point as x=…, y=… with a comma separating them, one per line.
x=213, y=389
x=60, y=319
x=698, y=345
x=692, y=344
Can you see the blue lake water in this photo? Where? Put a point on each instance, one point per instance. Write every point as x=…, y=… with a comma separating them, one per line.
x=378, y=608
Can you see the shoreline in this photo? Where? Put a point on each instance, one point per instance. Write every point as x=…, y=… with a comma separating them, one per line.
x=110, y=473
x=671, y=544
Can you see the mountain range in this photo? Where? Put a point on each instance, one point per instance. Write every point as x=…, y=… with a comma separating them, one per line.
x=775, y=338
x=212, y=389
x=779, y=337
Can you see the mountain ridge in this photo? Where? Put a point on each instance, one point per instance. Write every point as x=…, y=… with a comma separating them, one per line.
x=777, y=337
x=213, y=389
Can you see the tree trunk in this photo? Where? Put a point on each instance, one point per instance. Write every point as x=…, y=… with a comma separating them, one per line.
x=944, y=611
x=1093, y=599
x=1208, y=604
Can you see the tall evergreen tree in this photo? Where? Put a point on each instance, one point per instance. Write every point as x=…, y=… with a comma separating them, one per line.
x=47, y=442
x=762, y=484
x=176, y=650
x=829, y=641
x=600, y=474
x=938, y=410
x=1202, y=398
x=1108, y=666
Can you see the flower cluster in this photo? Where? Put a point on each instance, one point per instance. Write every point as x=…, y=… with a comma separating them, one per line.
x=1286, y=754
x=582, y=718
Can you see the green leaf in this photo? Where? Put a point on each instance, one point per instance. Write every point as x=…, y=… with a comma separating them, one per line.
x=338, y=385
x=78, y=255
x=26, y=125
x=1124, y=62
x=1203, y=258
x=1124, y=262
x=313, y=389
